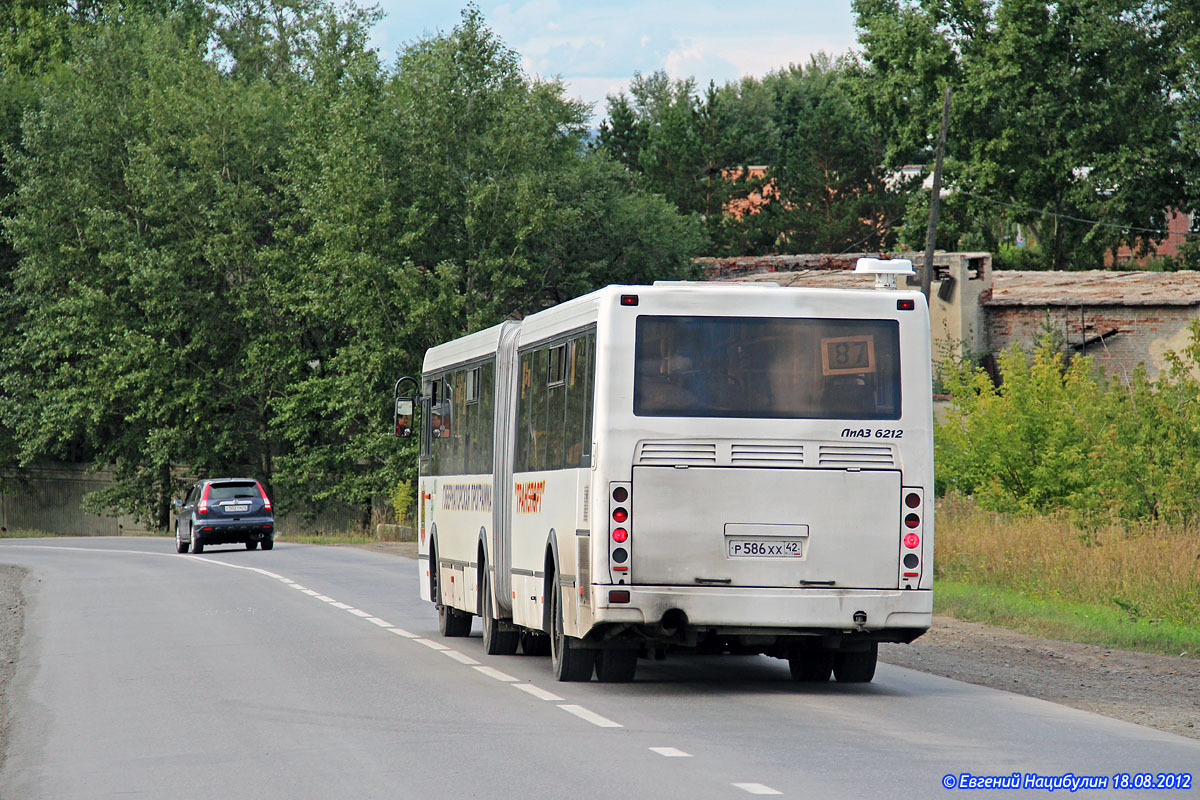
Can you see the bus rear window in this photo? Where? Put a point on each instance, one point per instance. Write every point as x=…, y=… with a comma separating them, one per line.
x=767, y=367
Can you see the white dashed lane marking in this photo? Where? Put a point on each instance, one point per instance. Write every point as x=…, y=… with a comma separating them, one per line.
x=492, y=672
x=671, y=752
x=358, y=612
x=404, y=633
x=461, y=658
x=379, y=622
x=431, y=644
x=342, y=606
x=591, y=716
x=540, y=694
x=756, y=788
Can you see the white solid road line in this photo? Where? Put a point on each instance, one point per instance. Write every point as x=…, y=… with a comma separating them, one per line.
x=756, y=788
x=492, y=672
x=539, y=693
x=671, y=752
x=591, y=716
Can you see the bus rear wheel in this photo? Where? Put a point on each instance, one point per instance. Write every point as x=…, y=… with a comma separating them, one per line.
x=570, y=659
x=810, y=666
x=856, y=666
x=616, y=666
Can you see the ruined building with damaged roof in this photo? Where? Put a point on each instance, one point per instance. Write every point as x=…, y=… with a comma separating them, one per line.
x=1121, y=319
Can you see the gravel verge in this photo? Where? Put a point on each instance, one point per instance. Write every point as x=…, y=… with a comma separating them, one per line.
x=1157, y=691
x=12, y=619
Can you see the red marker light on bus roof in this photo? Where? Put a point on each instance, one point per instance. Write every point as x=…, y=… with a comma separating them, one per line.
x=905, y=304
x=629, y=299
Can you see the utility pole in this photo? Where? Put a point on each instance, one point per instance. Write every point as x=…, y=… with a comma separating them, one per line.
x=931, y=231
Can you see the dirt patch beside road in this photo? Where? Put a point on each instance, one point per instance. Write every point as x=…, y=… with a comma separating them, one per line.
x=1157, y=691
x=12, y=622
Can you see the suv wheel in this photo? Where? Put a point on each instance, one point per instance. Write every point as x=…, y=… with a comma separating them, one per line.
x=180, y=545
x=267, y=543
x=197, y=547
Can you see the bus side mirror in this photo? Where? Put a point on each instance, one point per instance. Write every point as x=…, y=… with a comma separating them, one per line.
x=403, y=418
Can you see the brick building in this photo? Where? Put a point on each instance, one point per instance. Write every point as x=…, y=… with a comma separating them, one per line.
x=1121, y=319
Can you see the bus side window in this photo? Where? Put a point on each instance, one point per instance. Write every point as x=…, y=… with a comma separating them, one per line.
x=556, y=405
x=524, y=428
x=579, y=402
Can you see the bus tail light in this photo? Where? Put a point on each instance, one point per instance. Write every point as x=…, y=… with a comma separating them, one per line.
x=620, y=525
x=912, y=529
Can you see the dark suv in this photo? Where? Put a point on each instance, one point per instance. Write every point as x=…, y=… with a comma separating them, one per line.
x=224, y=511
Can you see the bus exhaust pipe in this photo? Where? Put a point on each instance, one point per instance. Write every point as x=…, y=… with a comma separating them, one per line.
x=672, y=622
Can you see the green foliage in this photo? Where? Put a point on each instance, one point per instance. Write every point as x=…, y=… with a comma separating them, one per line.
x=403, y=504
x=1029, y=257
x=1055, y=435
x=221, y=261
x=819, y=185
x=1064, y=112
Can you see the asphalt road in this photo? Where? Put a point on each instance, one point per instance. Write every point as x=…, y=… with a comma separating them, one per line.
x=312, y=672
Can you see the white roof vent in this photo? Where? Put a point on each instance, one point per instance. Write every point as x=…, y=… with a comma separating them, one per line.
x=885, y=270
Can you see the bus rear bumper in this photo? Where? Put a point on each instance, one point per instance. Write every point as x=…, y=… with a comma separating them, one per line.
x=780, y=610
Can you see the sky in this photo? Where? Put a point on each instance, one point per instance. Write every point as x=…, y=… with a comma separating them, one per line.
x=596, y=46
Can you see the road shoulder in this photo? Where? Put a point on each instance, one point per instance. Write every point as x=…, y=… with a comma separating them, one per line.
x=1160, y=692
x=12, y=623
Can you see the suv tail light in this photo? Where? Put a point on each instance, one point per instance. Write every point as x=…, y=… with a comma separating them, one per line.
x=266, y=500
x=203, y=508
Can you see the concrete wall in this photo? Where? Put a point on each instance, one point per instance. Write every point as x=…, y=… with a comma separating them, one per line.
x=961, y=281
x=48, y=499
x=1144, y=333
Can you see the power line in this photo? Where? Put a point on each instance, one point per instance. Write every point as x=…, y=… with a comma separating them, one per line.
x=1045, y=213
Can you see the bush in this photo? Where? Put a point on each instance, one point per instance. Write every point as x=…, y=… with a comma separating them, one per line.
x=1056, y=434
x=402, y=502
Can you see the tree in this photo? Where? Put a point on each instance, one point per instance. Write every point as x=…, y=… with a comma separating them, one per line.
x=428, y=202
x=144, y=191
x=1065, y=121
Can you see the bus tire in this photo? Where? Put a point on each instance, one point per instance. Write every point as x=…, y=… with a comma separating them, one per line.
x=616, y=666
x=535, y=643
x=856, y=666
x=810, y=666
x=570, y=659
x=495, y=641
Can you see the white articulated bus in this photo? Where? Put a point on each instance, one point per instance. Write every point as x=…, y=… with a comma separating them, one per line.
x=646, y=469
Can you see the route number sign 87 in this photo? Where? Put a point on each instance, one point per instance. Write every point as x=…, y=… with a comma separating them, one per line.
x=848, y=355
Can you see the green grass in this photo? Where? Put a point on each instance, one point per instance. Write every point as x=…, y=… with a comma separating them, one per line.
x=327, y=538
x=27, y=534
x=1062, y=619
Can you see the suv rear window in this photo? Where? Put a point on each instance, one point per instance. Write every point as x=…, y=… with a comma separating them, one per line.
x=781, y=368
x=228, y=491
